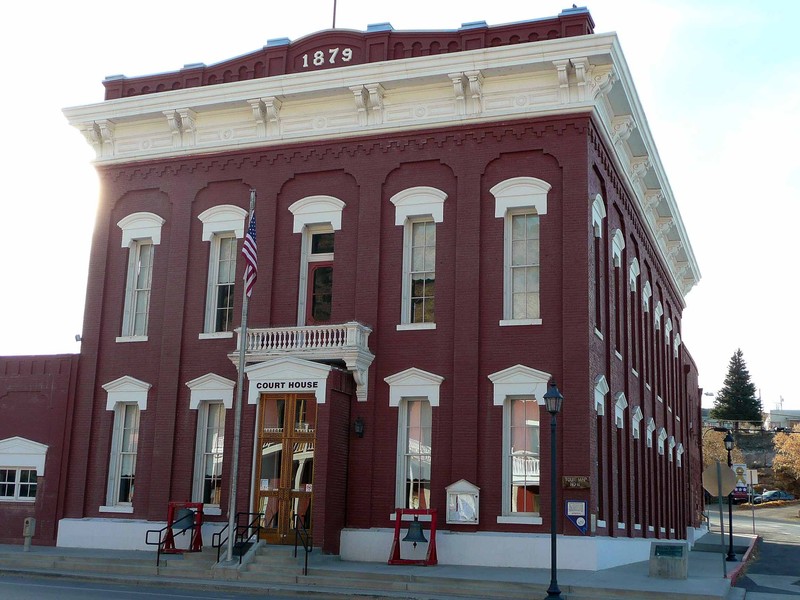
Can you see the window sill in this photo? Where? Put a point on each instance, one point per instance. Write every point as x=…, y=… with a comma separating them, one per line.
x=635, y=373
x=18, y=500
x=116, y=509
x=520, y=520
x=598, y=333
x=215, y=335
x=600, y=523
x=214, y=511
x=131, y=338
x=515, y=322
x=413, y=326
x=618, y=354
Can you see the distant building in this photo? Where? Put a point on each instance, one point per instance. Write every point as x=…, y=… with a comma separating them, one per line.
x=782, y=418
x=446, y=221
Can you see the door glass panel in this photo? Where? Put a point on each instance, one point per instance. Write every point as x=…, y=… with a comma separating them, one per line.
x=305, y=415
x=302, y=466
x=268, y=506
x=274, y=414
x=271, y=454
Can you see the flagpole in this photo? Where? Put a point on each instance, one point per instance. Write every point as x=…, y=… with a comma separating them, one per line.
x=237, y=409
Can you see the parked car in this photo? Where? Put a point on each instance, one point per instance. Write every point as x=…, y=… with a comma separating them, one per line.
x=772, y=496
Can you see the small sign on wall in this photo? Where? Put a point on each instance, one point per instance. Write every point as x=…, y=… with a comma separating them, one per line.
x=575, y=482
x=578, y=514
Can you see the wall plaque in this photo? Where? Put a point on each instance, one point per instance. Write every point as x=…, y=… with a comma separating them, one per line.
x=575, y=482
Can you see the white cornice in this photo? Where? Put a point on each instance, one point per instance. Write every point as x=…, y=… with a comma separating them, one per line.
x=554, y=77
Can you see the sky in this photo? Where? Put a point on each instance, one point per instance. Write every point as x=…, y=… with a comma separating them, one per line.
x=717, y=81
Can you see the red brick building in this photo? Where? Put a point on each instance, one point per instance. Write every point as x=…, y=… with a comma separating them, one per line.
x=445, y=221
x=37, y=396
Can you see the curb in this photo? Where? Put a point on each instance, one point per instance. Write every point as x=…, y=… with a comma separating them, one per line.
x=740, y=569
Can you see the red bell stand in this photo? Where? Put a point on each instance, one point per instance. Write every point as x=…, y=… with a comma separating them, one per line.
x=430, y=557
x=174, y=515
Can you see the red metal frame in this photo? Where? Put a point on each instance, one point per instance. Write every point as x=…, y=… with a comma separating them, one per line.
x=430, y=557
x=196, y=542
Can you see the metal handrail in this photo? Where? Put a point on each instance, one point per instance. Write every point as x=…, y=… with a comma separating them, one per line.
x=301, y=534
x=253, y=526
x=161, y=540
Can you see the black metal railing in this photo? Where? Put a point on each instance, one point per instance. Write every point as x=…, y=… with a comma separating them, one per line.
x=161, y=540
x=302, y=537
x=245, y=532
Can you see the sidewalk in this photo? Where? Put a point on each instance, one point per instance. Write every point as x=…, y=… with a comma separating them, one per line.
x=330, y=577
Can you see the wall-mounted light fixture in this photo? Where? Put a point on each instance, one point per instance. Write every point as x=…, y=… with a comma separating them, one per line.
x=358, y=427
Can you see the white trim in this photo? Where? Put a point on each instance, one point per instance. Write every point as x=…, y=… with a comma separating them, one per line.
x=617, y=246
x=636, y=419
x=620, y=404
x=208, y=388
x=647, y=291
x=222, y=219
x=519, y=380
x=516, y=322
x=600, y=390
x=126, y=390
x=633, y=274
x=141, y=226
x=317, y=210
x=20, y=452
x=286, y=370
x=413, y=383
x=598, y=214
x=418, y=202
x=413, y=326
x=520, y=192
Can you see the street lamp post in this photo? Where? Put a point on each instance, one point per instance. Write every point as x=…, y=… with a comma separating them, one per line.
x=552, y=401
x=728, y=441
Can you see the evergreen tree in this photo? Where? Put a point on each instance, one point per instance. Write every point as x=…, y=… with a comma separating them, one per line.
x=737, y=401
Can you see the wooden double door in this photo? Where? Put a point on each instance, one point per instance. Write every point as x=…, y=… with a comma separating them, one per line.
x=285, y=464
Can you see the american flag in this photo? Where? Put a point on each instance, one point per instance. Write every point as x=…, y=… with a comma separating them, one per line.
x=250, y=253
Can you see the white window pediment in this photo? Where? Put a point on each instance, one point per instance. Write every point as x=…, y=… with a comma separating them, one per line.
x=286, y=370
x=420, y=201
x=617, y=246
x=647, y=292
x=519, y=380
x=141, y=226
x=600, y=390
x=662, y=438
x=519, y=192
x=620, y=404
x=651, y=427
x=210, y=387
x=223, y=218
x=633, y=273
x=126, y=389
x=414, y=383
x=636, y=420
x=21, y=452
x=598, y=214
x=317, y=210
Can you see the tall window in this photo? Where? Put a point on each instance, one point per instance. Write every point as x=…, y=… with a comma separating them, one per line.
x=418, y=210
x=521, y=202
x=523, y=455
x=123, y=459
x=524, y=267
x=221, y=281
x=17, y=484
x=141, y=233
x=317, y=218
x=210, y=442
x=422, y=271
x=140, y=278
x=416, y=443
x=222, y=225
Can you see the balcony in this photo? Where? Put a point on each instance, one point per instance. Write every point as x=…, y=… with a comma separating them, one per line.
x=347, y=342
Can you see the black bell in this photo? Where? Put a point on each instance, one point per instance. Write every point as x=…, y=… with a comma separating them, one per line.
x=415, y=533
x=184, y=519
